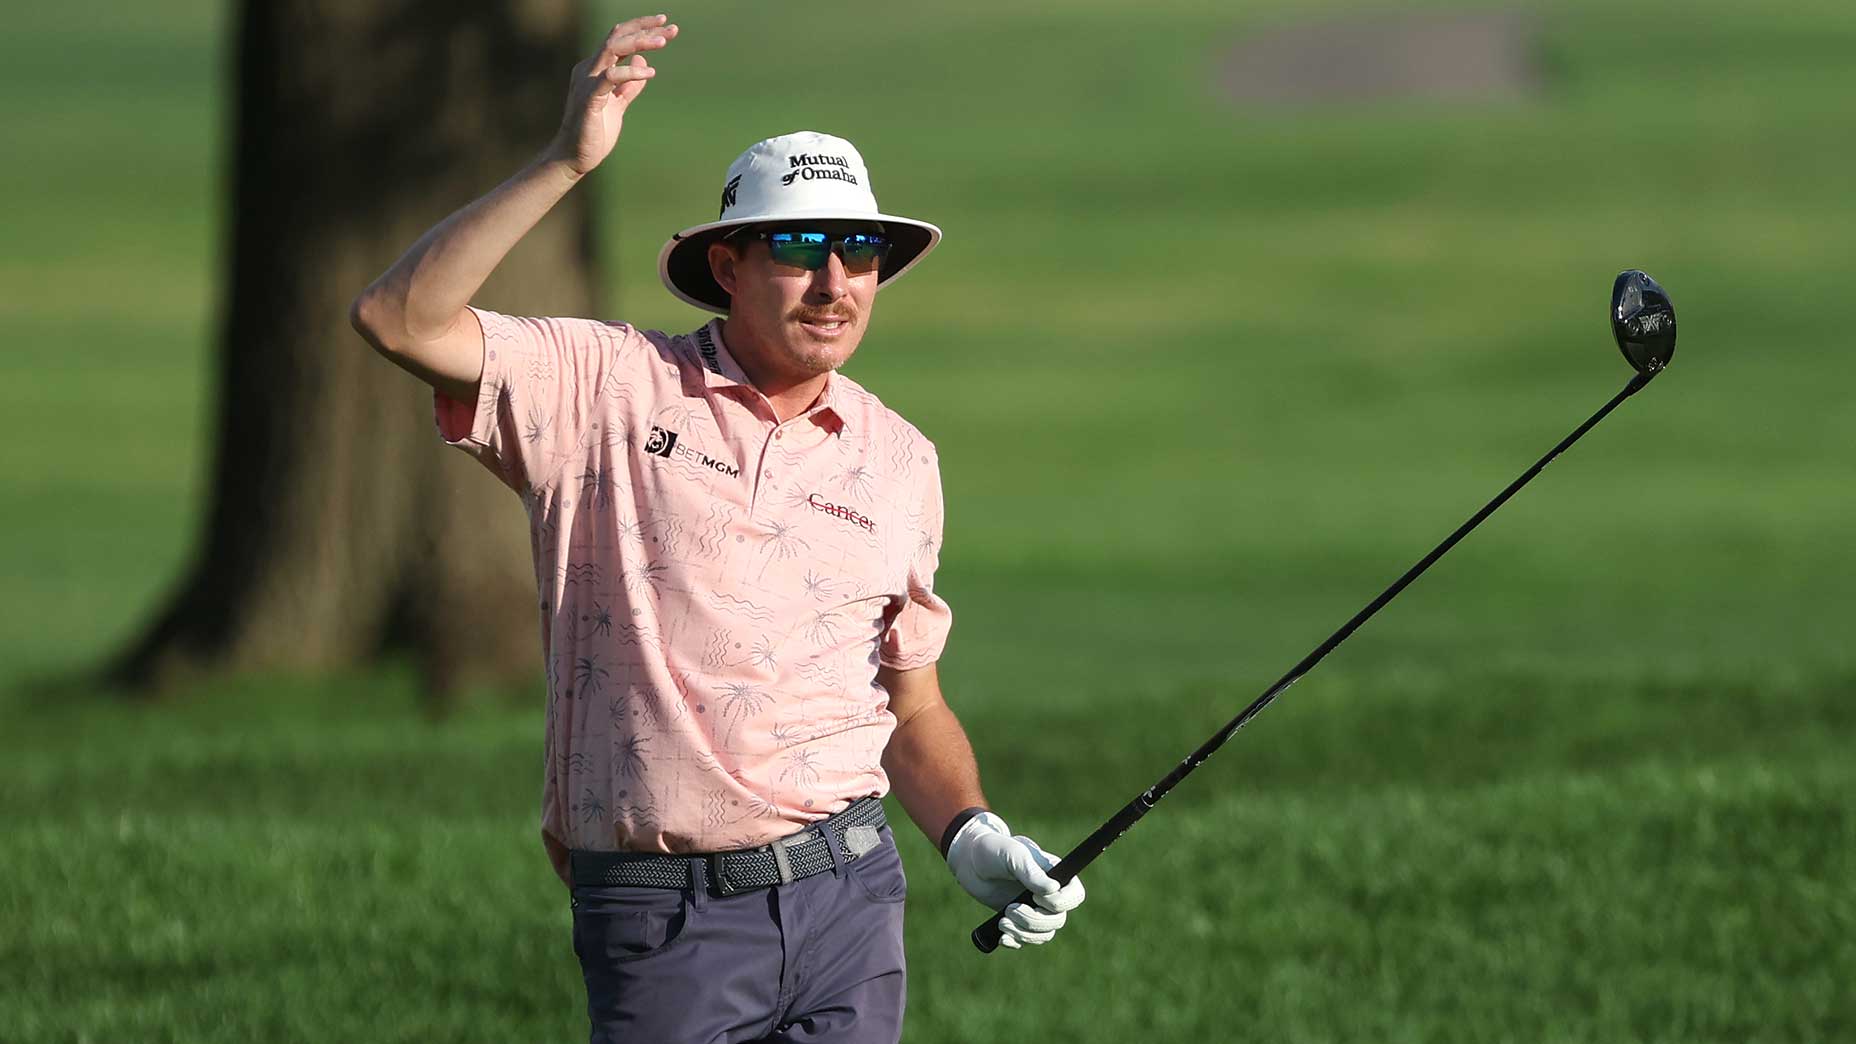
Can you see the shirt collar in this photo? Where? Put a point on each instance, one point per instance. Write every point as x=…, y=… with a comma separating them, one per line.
x=828, y=412
x=720, y=370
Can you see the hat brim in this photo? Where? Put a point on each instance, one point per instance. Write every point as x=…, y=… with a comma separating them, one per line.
x=683, y=264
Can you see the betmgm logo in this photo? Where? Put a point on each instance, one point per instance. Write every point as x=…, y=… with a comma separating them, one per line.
x=662, y=442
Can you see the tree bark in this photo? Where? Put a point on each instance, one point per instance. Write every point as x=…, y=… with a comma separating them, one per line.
x=340, y=528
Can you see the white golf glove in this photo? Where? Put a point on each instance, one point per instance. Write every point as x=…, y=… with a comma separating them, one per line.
x=993, y=866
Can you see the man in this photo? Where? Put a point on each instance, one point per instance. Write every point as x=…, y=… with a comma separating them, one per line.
x=735, y=550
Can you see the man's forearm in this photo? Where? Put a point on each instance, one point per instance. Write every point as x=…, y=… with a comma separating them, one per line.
x=422, y=294
x=932, y=770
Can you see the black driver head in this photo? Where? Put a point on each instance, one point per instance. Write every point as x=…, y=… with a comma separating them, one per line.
x=1643, y=321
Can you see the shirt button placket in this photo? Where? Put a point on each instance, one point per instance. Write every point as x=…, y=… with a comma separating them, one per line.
x=763, y=474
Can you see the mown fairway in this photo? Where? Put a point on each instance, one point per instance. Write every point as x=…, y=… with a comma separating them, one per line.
x=1203, y=382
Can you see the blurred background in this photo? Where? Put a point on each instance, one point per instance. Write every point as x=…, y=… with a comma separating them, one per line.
x=1241, y=308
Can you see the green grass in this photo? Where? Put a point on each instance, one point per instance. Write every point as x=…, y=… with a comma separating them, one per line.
x=1203, y=381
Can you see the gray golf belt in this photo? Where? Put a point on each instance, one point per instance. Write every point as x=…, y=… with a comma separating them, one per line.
x=728, y=873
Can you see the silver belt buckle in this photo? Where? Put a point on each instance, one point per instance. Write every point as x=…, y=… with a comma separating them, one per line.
x=781, y=861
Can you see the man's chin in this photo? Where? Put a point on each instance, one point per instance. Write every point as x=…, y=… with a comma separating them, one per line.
x=819, y=363
x=820, y=356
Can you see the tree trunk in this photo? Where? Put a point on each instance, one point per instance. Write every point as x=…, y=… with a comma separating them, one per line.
x=340, y=528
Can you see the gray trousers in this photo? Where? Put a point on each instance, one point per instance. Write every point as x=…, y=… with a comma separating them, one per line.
x=816, y=960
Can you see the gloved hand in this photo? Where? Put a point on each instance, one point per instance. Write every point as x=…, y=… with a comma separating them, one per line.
x=993, y=866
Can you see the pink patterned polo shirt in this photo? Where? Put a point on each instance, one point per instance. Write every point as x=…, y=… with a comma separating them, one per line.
x=717, y=588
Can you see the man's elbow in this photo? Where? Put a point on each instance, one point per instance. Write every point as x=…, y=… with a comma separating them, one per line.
x=369, y=317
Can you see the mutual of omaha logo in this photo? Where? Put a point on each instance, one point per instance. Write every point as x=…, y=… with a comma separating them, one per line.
x=840, y=511
x=662, y=442
x=814, y=166
x=728, y=194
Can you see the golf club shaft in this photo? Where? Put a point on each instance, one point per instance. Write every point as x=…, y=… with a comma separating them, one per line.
x=986, y=936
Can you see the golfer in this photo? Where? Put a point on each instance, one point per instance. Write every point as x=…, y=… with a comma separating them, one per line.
x=735, y=550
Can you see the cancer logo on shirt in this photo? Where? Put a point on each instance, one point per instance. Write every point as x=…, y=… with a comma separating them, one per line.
x=848, y=514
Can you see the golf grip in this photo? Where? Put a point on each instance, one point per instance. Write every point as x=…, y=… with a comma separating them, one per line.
x=986, y=936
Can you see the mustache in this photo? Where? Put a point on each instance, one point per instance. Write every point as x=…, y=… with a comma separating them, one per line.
x=807, y=316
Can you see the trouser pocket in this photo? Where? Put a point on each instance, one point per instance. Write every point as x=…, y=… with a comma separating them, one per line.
x=879, y=871
x=627, y=923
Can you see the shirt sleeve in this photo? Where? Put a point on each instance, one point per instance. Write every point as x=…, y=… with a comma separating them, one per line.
x=918, y=632
x=541, y=384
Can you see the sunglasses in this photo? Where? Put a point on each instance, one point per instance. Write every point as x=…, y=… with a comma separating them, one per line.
x=862, y=252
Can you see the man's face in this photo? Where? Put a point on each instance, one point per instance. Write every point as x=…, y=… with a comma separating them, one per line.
x=787, y=324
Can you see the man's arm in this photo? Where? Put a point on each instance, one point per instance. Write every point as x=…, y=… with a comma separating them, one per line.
x=932, y=772
x=929, y=761
x=415, y=314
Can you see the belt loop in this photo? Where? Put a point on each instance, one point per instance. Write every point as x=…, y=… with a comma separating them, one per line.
x=831, y=836
x=699, y=883
x=782, y=863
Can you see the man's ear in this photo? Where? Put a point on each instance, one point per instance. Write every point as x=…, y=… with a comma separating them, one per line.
x=722, y=266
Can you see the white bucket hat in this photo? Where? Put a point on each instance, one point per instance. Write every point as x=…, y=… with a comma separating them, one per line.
x=800, y=176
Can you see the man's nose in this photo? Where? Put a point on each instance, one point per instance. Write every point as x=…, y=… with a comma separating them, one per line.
x=831, y=281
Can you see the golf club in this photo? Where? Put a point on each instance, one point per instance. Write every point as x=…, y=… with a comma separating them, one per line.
x=1643, y=322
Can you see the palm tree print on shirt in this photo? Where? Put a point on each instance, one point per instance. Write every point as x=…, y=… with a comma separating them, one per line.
x=740, y=701
x=763, y=656
x=760, y=807
x=599, y=621
x=801, y=768
x=781, y=542
x=631, y=530
x=822, y=627
x=628, y=755
x=538, y=423
x=855, y=481
x=817, y=586
x=644, y=575
x=589, y=675
x=590, y=807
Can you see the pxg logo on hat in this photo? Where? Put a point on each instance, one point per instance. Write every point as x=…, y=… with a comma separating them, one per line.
x=803, y=176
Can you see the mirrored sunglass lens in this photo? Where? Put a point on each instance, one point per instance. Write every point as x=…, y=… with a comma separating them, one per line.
x=805, y=249
x=810, y=250
x=863, y=253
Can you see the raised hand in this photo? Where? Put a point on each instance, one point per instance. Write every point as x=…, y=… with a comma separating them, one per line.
x=604, y=86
